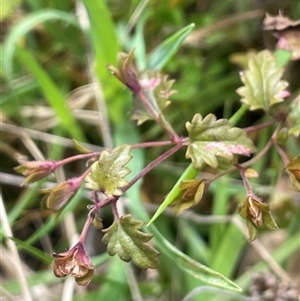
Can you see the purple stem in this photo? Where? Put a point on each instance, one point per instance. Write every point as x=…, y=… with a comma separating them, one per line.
x=152, y=143
x=112, y=201
x=248, y=188
x=259, y=126
x=153, y=164
x=115, y=209
x=74, y=158
x=168, y=129
x=281, y=152
x=86, y=227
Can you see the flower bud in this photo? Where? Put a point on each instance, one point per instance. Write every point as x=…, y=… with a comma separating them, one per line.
x=256, y=213
x=74, y=262
x=36, y=170
x=127, y=72
x=61, y=193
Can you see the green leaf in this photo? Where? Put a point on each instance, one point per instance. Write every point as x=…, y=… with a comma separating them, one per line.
x=190, y=266
x=124, y=238
x=51, y=92
x=184, y=262
x=164, y=51
x=282, y=57
x=176, y=191
x=107, y=174
x=105, y=50
x=103, y=38
x=211, y=138
x=263, y=86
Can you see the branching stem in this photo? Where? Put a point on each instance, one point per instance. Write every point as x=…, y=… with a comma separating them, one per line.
x=153, y=164
x=166, y=126
x=247, y=185
x=259, y=126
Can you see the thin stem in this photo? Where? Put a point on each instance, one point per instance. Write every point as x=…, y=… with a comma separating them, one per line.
x=245, y=164
x=103, y=203
x=74, y=158
x=247, y=185
x=135, y=17
x=166, y=126
x=259, y=126
x=152, y=143
x=82, y=177
x=115, y=209
x=238, y=115
x=112, y=201
x=258, y=156
x=148, y=106
x=153, y=164
x=86, y=227
x=282, y=153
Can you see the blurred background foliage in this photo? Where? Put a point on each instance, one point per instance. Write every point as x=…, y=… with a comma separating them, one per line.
x=55, y=83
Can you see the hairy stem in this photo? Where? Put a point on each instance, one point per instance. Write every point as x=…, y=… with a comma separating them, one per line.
x=153, y=164
x=166, y=126
x=152, y=144
x=259, y=126
x=86, y=227
x=245, y=164
x=282, y=153
x=76, y=157
x=247, y=185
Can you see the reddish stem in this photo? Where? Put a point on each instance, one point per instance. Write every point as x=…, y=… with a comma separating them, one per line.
x=86, y=227
x=115, y=209
x=74, y=158
x=246, y=182
x=168, y=128
x=112, y=201
x=282, y=153
x=259, y=126
x=152, y=143
x=153, y=164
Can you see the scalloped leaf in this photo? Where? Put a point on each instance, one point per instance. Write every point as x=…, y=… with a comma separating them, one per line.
x=211, y=138
x=124, y=238
x=107, y=174
x=263, y=86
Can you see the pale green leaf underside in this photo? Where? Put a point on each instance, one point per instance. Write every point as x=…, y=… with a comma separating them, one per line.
x=262, y=85
x=107, y=174
x=124, y=238
x=211, y=138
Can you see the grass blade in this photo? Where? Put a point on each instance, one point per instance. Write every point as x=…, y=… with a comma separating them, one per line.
x=164, y=51
x=51, y=92
x=188, y=174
